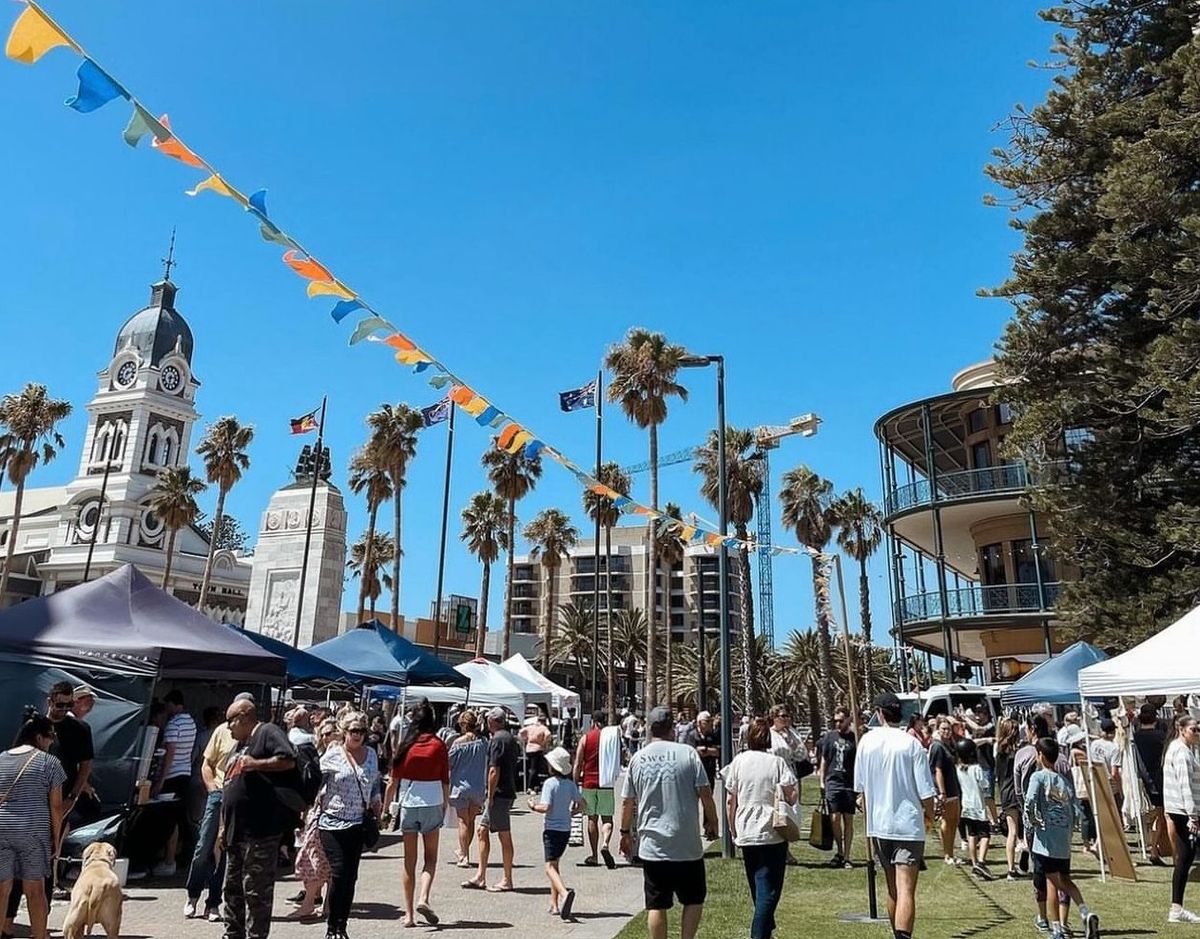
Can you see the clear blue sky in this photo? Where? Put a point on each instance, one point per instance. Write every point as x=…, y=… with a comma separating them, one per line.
x=797, y=186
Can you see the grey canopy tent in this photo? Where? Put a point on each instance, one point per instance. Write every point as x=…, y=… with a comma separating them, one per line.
x=121, y=635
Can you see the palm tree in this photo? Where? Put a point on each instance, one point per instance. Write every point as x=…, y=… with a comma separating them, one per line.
x=484, y=531
x=369, y=474
x=513, y=476
x=572, y=640
x=671, y=551
x=173, y=502
x=602, y=509
x=643, y=370
x=394, y=429
x=807, y=511
x=687, y=669
x=30, y=420
x=802, y=674
x=369, y=556
x=743, y=489
x=860, y=532
x=552, y=536
x=629, y=641
x=223, y=450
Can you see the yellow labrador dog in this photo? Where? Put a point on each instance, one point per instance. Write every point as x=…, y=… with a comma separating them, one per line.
x=96, y=897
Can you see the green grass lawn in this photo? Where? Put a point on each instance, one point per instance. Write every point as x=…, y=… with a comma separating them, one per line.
x=950, y=902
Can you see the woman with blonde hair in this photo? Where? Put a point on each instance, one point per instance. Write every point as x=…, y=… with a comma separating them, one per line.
x=468, y=778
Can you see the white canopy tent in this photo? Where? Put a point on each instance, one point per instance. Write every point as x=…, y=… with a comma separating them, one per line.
x=492, y=685
x=1165, y=664
x=560, y=697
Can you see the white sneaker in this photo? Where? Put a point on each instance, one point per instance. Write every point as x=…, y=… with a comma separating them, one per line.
x=189, y=909
x=165, y=869
x=1183, y=916
x=214, y=915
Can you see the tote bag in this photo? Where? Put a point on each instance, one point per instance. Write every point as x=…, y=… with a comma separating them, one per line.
x=821, y=834
x=786, y=817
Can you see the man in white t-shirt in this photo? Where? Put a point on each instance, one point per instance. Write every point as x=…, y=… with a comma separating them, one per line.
x=178, y=740
x=892, y=773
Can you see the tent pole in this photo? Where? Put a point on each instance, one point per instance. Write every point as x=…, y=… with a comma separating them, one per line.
x=1091, y=781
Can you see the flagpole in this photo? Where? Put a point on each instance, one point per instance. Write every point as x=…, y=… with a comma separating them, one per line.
x=318, y=461
x=599, y=509
x=437, y=608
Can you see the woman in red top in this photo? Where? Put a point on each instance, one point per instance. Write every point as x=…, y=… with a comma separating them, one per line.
x=421, y=773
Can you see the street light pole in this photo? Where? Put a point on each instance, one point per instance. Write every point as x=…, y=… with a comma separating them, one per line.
x=87, y=565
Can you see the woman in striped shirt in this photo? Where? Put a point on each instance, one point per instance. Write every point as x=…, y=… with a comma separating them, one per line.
x=1181, y=801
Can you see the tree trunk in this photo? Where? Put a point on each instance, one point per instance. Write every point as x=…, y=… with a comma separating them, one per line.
x=376, y=590
x=814, y=709
x=650, y=697
x=397, y=481
x=749, y=646
x=821, y=600
x=864, y=613
x=218, y=517
x=481, y=626
x=611, y=670
x=548, y=620
x=669, y=664
x=367, y=566
x=18, y=499
x=167, y=564
x=508, y=586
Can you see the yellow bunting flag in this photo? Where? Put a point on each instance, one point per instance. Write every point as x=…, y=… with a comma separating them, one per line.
x=320, y=288
x=476, y=406
x=413, y=357
x=214, y=183
x=33, y=35
x=172, y=147
x=523, y=437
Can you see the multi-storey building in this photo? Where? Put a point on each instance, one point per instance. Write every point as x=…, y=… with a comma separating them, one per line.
x=972, y=578
x=687, y=595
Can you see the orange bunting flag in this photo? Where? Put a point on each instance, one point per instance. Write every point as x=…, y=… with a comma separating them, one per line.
x=461, y=394
x=33, y=35
x=321, y=288
x=399, y=341
x=306, y=267
x=505, y=437
x=172, y=147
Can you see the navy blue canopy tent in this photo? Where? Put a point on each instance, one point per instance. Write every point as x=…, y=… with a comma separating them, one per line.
x=375, y=654
x=303, y=668
x=1055, y=681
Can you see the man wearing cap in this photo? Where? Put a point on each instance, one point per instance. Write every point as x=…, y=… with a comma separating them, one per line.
x=503, y=757
x=662, y=786
x=703, y=737
x=891, y=771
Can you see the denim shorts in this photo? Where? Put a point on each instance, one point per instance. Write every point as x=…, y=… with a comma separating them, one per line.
x=554, y=843
x=421, y=819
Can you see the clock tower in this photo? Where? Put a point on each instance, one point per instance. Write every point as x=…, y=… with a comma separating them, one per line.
x=139, y=423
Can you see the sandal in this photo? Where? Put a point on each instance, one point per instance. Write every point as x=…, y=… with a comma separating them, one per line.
x=473, y=885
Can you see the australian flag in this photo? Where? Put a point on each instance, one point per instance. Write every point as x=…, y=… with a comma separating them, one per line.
x=578, y=398
x=436, y=413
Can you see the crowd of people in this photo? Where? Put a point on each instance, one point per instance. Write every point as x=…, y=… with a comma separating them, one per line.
x=315, y=790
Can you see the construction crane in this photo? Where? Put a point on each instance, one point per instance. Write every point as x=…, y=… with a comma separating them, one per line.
x=766, y=439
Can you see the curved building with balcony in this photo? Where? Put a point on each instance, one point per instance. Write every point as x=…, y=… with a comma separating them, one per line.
x=971, y=578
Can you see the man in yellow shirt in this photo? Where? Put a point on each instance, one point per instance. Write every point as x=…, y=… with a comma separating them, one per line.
x=208, y=869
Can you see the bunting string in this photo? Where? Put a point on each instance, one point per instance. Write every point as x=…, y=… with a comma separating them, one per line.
x=35, y=33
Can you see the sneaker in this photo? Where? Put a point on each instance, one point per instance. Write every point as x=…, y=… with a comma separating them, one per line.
x=1041, y=925
x=213, y=915
x=189, y=909
x=836, y=861
x=1183, y=916
x=297, y=898
x=1013, y=875
x=981, y=872
x=1091, y=926
x=165, y=869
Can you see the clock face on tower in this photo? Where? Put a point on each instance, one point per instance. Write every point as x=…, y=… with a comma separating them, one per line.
x=126, y=374
x=170, y=379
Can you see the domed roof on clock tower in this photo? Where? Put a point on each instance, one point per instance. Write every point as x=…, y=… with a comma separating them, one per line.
x=158, y=329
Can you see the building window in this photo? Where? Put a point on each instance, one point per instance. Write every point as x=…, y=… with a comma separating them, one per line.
x=1026, y=563
x=991, y=565
x=981, y=454
x=977, y=420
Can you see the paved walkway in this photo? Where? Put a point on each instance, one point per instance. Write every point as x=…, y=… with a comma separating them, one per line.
x=606, y=899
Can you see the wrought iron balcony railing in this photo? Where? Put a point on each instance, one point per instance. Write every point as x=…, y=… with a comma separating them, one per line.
x=1012, y=477
x=977, y=600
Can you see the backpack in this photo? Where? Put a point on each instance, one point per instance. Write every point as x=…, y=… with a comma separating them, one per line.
x=308, y=766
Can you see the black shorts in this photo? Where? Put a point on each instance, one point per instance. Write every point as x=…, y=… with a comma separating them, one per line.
x=554, y=843
x=664, y=881
x=977, y=828
x=841, y=801
x=1043, y=864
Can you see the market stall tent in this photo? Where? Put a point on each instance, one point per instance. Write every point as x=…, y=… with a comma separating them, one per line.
x=560, y=697
x=1165, y=664
x=303, y=668
x=1056, y=680
x=491, y=685
x=376, y=655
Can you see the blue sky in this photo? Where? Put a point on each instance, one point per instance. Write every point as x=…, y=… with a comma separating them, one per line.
x=797, y=186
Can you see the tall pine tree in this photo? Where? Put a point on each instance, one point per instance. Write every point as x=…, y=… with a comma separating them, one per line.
x=1103, y=179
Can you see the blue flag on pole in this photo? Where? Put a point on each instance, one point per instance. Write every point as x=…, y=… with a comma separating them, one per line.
x=436, y=413
x=577, y=399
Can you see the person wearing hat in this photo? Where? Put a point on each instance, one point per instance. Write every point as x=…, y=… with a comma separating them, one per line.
x=83, y=700
x=503, y=757
x=891, y=771
x=560, y=799
x=664, y=782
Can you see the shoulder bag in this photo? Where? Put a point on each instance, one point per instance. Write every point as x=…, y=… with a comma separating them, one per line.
x=821, y=834
x=370, y=821
x=786, y=817
x=21, y=772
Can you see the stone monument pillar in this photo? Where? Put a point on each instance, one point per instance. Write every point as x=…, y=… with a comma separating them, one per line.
x=275, y=577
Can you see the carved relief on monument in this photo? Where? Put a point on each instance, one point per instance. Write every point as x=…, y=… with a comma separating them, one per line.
x=279, y=618
x=289, y=520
